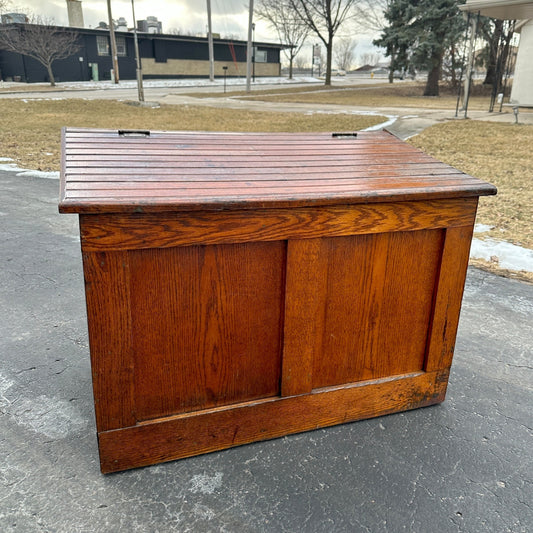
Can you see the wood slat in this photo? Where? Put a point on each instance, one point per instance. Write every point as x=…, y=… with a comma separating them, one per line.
x=237, y=184
x=102, y=171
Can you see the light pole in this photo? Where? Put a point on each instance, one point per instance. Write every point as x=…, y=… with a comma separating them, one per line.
x=113, y=42
x=253, y=52
x=249, y=46
x=210, y=43
x=138, y=70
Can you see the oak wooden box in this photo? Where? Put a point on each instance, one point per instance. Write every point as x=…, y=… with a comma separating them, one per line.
x=241, y=287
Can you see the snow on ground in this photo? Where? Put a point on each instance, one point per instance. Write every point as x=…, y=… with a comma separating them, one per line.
x=182, y=82
x=508, y=256
x=12, y=167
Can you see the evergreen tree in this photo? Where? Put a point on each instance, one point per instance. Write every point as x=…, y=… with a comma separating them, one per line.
x=419, y=34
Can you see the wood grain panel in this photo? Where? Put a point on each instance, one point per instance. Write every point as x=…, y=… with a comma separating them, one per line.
x=304, y=310
x=129, y=231
x=449, y=294
x=109, y=320
x=186, y=435
x=378, y=306
x=206, y=325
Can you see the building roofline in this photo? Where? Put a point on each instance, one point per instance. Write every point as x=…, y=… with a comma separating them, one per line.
x=501, y=9
x=162, y=36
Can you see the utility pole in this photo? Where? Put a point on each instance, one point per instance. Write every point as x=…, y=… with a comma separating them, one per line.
x=210, y=41
x=249, y=48
x=113, y=42
x=140, y=89
x=470, y=68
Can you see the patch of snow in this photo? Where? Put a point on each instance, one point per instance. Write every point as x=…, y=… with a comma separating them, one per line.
x=188, y=82
x=12, y=167
x=509, y=256
x=482, y=228
x=391, y=120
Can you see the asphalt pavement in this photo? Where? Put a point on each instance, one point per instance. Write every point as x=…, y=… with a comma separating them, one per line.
x=462, y=466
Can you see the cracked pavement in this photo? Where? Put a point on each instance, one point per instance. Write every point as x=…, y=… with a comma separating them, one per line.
x=462, y=466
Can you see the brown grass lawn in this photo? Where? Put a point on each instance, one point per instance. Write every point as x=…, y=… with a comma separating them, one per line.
x=500, y=154
x=30, y=131
x=405, y=94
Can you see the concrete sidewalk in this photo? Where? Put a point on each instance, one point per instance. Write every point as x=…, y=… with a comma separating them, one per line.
x=462, y=466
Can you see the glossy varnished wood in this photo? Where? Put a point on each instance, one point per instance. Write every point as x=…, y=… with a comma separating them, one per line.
x=222, y=428
x=161, y=230
x=210, y=318
x=108, y=171
x=245, y=286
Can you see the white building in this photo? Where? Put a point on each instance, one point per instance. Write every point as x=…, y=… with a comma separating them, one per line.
x=521, y=11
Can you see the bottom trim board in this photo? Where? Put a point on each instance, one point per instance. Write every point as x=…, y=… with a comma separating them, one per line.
x=215, y=429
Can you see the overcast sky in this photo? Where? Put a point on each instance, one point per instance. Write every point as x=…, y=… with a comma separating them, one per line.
x=230, y=17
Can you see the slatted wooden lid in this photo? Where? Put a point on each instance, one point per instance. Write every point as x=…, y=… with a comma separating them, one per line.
x=117, y=171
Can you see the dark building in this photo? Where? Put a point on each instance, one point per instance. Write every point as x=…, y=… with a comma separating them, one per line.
x=162, y=56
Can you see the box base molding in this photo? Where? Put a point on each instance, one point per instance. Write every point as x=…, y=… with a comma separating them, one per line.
x=185, y=435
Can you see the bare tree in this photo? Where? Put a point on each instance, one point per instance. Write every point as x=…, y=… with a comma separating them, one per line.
x=369, y=15
x=40, y=40
x=283, y=18
x=300, y=62
x=324, y=18
x=344, y=53
x=369, y=58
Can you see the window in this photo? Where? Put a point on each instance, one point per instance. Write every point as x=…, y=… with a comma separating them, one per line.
x=260, y=56
x=121, y=45
x=102, y=45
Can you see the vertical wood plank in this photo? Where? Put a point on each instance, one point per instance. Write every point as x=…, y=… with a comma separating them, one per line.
x=108, y=312
x=378, y=306
x=206, y=326
x=449, y=295
x=305, y=298
x=412, y=270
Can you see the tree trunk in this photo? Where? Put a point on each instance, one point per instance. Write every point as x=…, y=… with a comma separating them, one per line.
x=51, y=75
x=291, y=59
x=493, y=53
x=329, y=54
x=432, y=84
x=452, y=73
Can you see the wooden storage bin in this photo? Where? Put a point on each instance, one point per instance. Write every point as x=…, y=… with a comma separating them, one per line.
x=241, y=287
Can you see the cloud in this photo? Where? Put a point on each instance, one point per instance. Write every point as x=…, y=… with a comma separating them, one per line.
x=229, y=16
